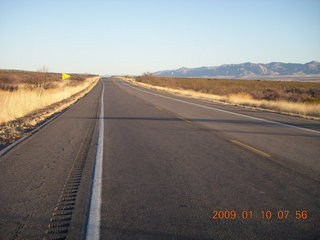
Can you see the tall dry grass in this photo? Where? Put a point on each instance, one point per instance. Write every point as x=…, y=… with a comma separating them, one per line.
x=296, y=108
x=304, y=109
x=24, y=101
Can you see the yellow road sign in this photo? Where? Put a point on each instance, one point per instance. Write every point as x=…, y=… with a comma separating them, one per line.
x=65, y=76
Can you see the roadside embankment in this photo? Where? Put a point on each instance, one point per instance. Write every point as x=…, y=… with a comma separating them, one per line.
x=23, y=109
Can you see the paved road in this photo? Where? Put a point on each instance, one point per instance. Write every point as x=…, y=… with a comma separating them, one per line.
x=168, y=163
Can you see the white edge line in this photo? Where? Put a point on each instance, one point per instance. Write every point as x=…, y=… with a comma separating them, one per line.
x=93, y=225
x=225, y=111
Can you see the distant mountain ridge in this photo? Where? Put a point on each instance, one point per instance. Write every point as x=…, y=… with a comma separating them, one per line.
x=246, y=70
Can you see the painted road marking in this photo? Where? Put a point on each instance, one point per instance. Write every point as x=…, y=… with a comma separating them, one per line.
x=184, y=119
x=251, y=148
x=159, y=108
x=225, y=111
x=93, y=226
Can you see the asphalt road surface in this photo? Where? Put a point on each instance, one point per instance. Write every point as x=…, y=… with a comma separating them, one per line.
x=138, y=164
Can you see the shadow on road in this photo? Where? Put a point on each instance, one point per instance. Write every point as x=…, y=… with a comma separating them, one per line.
x=251, y=123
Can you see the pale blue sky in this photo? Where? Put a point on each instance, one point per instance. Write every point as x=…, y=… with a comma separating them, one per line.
x=135, y=36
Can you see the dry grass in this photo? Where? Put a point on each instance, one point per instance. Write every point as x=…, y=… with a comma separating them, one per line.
x=296, y=108
x=16, y=104
x=240, y=94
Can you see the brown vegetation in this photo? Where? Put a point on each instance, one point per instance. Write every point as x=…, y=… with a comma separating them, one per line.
x=257, y=89
x=11, y=80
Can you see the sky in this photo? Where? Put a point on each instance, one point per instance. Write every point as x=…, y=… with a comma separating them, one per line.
x=136, y=36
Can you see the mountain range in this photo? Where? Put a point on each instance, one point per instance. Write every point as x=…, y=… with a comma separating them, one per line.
x=248, y=70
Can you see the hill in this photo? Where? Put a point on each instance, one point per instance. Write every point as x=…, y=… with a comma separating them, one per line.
x=249, y=70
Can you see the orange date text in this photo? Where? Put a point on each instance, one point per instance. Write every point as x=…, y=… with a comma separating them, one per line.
x=263, y=214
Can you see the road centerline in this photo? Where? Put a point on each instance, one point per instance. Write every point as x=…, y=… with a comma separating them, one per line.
x=93, y=225
x=253, y=149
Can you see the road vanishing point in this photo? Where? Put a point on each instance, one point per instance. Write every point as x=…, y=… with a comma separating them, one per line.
x=126, y=162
